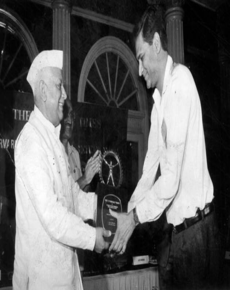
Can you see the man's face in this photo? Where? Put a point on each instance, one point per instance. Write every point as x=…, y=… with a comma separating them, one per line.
x=147, y=58
x=68, y=122
x=56, y=95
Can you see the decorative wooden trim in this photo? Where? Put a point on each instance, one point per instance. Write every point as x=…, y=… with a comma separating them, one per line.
x=97, y=17
x=47, y=3
x=91, y=15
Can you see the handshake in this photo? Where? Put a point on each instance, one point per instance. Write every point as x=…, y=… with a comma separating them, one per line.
x=125, y=227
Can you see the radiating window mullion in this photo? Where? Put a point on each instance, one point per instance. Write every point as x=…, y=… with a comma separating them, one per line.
x=16, y=79
x=100, y=76
x=123, y=83
x=16, y=54
x=3, y=48
x=98, y=93
x=108, y=72
x=127, y=98
x=115, y=85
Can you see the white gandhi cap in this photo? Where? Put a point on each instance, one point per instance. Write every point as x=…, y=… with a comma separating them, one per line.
x=46, y=58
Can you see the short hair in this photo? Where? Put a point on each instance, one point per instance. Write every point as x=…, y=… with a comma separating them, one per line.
x=67, y=107
x=153, y=20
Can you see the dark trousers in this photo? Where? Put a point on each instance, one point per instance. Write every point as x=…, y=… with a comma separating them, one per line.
x=193, y=258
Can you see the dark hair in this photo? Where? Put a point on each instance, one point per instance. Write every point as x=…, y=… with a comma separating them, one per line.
x=67, y=107
x=153, y=20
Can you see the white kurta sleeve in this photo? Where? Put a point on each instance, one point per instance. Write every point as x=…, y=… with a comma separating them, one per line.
x=85, y=203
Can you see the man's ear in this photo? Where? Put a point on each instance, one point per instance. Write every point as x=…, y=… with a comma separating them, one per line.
x=157, y=42
x=42, y=89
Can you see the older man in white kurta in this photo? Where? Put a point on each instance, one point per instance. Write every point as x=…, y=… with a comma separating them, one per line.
x=50, y=205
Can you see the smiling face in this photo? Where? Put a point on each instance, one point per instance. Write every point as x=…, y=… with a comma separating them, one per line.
x=55, y=95
x=147, y=57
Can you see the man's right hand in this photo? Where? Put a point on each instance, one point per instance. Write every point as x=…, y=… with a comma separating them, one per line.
x=100, y=243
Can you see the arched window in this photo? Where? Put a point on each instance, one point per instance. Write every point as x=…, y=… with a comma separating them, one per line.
x=109, y=77
x=17, y=50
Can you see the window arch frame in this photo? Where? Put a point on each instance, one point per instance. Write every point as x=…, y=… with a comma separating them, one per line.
x=22, y=31
x=138, y=124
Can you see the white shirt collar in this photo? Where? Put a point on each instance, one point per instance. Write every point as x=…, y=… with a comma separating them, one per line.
x=168, y=69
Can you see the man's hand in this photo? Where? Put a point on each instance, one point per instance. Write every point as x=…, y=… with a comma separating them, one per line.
x=100, y=243
x=125, y=228
x=92, y=166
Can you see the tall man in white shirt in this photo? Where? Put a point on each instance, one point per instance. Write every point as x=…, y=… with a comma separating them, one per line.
x=184, y=190
x=50, y=206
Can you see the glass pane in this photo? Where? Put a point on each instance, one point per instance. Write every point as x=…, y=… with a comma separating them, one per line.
x=132, y=148
x=14, y=61
x=110, y=83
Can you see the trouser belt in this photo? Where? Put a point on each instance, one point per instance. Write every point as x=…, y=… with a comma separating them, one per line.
x=200, y=215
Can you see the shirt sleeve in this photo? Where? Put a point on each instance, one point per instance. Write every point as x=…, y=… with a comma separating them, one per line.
x=37, y=180
x=175, y=125
x=85, y=203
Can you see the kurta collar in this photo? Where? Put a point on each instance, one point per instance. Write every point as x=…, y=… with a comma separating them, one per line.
x=47, y=123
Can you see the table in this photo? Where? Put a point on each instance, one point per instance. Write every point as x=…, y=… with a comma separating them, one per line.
x=142, y=279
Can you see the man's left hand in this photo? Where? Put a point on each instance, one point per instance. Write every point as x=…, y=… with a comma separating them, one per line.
x=125, y=228
x=92, y=166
